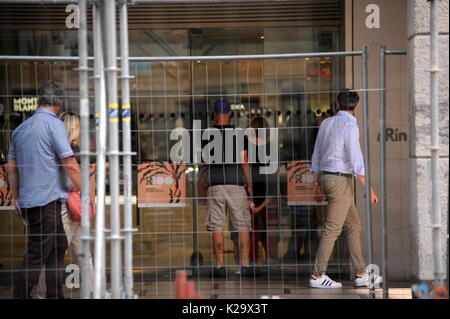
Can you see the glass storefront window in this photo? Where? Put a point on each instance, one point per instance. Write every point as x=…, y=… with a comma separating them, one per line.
x=39, y=42
x=293, y=95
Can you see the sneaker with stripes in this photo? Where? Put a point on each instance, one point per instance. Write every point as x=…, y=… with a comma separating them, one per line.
x=323, y=282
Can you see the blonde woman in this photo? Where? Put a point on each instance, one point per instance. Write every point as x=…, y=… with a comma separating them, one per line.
x=72, y=228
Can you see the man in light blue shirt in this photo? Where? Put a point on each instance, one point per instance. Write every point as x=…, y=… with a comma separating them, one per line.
x=337, y=146
x=337, y=157
x=39, y=157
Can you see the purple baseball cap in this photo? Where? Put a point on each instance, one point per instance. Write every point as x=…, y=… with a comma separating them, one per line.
x=222, y=106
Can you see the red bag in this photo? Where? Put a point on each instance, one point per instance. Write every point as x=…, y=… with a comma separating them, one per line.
x=74, y=206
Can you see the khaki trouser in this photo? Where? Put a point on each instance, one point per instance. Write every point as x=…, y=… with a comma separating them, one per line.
x=341, y=213
x=228, y=198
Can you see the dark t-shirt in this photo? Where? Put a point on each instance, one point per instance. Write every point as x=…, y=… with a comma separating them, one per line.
x=264, y=185
x=299, y=138
x=226, y=173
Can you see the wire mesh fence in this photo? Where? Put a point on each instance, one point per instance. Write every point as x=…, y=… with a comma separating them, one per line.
x=292, y=94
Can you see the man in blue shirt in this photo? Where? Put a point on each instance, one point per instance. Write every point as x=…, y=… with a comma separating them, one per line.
x=39, y=156
x=337, y=157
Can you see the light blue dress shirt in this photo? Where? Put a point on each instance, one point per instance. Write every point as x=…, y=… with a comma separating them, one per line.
x=337, y=146
x=38, y=145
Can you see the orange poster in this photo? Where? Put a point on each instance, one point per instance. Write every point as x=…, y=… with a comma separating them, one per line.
x=301, y=189
x=161, y=184
x=6, y=199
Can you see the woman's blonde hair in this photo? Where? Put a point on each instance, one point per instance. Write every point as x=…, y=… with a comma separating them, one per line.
x=72, y=123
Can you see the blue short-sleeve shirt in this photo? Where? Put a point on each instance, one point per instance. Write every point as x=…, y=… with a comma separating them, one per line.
x=38, y=145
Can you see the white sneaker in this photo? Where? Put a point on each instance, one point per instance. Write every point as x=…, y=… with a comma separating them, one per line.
x=323, y=282
x=363, y=281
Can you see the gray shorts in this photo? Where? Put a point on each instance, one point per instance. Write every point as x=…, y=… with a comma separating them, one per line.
x=231, y=198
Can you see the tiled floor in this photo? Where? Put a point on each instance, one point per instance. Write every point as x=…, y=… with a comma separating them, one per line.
x=287, y=282
x=250, y=289
x=246, y=289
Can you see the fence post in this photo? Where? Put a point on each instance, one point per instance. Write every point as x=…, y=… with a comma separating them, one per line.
x=126, y=133
x=100, y=130
x=84, y=148
x=365, y=104
x=383, y=201
x=110, y=50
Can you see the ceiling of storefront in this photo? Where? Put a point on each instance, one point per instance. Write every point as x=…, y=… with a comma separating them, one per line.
x=195, y=15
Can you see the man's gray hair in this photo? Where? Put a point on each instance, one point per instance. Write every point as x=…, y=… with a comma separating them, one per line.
x=51, y=93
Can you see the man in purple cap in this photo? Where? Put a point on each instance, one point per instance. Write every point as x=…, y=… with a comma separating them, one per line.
x=229, y=190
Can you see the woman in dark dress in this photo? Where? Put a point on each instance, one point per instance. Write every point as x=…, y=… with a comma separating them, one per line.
x=264, y=210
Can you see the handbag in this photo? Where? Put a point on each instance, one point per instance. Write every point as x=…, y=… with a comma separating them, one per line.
x=74, y=206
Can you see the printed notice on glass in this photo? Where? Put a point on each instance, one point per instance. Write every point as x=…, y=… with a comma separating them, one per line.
x=161, y=184
x=301, y=188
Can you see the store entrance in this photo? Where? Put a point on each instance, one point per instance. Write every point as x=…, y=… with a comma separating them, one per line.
x=292, y=95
